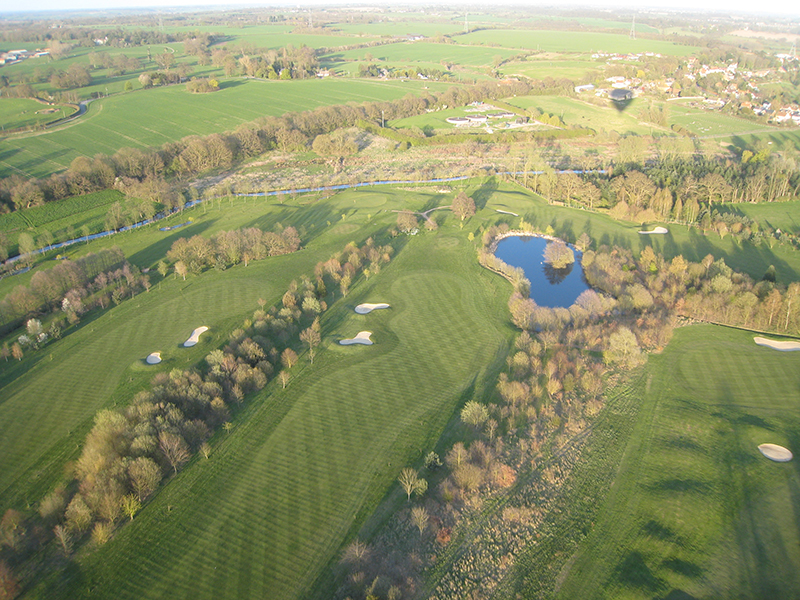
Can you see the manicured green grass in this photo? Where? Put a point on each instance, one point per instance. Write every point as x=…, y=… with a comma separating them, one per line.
x=572, y=41
x=696, y=511
x=779, y=139
x=159, y=115
x=17, y=113
x=583, y=114
x=782, y=215
x=709, y=122
x=301, y=466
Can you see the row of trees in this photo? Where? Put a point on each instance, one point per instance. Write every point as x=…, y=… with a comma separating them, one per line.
x=195, y=154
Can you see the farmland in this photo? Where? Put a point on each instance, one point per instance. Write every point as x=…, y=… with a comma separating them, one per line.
x=128, y=120
x=410, y=53
x=696, y=509
x=708, y=123
x=575, y=42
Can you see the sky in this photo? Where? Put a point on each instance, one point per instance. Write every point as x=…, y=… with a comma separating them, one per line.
x=750, y=7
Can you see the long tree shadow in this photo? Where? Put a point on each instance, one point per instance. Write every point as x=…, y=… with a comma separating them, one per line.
x=159, y=249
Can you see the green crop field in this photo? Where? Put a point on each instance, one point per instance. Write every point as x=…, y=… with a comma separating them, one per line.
x=398, y=28
x=410, y=53
x=696, y=511
x=602, y=23
x=18, y=113
x=557, y=69
x=572, y=41
x=583, y=114
x=159, y=115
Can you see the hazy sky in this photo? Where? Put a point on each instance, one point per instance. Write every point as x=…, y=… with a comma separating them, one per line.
x=789, y=7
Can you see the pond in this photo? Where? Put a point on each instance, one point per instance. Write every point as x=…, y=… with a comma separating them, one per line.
x=549, y=287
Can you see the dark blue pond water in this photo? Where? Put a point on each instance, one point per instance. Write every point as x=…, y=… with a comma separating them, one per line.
x=549, y=287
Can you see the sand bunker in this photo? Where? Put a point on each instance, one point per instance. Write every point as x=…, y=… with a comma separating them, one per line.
x=153, y=358
x=361, y=338
x=364, y=309
x=776, y=345
x=775, y=452
x=195, y=337
x=506, y=212
x=657, y=230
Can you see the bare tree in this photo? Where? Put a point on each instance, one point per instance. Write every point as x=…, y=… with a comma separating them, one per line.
x=419, y=518
x=463, y=206
x=284, y=377
x=64, y=538
x=289, y=358
x=131, y=505
x=474, y=414
x=174, y=449
x=145, y=475
x=311, y=337
x=412, y=483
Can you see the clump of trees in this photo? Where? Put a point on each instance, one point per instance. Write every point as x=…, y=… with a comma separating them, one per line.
x=558, y=255
x=228, y=248
x=202, y=86
x=73, y=287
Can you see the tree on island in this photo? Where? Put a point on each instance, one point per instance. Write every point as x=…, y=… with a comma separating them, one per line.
x=463, y=206
x=558, y=255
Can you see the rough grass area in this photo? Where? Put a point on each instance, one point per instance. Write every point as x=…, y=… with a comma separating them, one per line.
x=281, y=491
x=584, y=114
x=696, y=511
x=18, y=113
x=712, y=123
x=154, y=117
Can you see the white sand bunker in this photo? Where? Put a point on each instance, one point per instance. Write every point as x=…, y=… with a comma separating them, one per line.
x=657, y=230
x=153, y=358
x=506, y=212
x=195, y=337
x=364, y=309
x=776, y=345
x=775, y=452
x=361, y=338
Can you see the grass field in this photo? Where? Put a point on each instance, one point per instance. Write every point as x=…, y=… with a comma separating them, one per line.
x=696, y=511
x=583, y=114
x=130, y=120
x=398, y=28
x=17, y=113
x=302, y=466
x=711, y=123
x=572, y=42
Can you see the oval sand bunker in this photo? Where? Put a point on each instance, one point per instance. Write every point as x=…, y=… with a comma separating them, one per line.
x=153, y=358
x=776, y=345
x=657, y=230
x=195, y=337
x=775, y=452
x=362, y=337
x=364, y=309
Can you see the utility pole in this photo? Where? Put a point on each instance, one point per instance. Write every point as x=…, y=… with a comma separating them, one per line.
x=383, y=122
x=633, y=28
x=466, y=22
